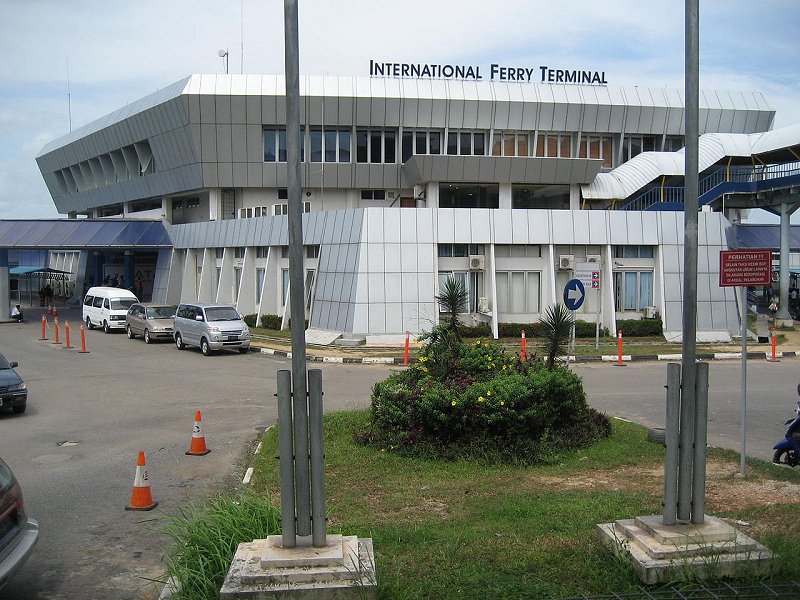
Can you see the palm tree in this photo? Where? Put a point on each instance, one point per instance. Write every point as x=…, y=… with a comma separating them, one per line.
x=557, y=323
x=453, y=300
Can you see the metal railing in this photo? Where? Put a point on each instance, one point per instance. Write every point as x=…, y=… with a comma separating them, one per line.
x=721, y=177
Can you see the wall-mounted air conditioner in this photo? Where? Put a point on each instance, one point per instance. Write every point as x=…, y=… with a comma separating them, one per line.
x=477, y=262
x=593, y=258
x=483, y=305
x=566, y=262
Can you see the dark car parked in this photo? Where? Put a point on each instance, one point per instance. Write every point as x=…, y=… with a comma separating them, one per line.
x=13, y=391
x=18, y=533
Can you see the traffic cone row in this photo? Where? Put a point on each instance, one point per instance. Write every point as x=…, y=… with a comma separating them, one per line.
x=141, y=496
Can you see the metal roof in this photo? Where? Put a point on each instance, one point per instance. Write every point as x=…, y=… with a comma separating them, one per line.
x=766, y=236
x=83, y=233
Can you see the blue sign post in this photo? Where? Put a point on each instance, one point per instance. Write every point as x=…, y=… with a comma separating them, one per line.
x=574, y=294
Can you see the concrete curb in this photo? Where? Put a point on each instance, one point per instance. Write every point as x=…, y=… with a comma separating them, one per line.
x=606, y=358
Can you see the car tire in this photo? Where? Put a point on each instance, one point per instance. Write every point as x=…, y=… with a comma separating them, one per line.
x=106, y=328
x=204, y=347
x=89, y=325
x=244, y=350
x=179, y=342
x=146, y=336
x=18, y=410
x=130, y=333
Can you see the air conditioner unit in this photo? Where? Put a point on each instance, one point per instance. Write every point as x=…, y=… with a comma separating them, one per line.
x=477, y=262
x=649, y=312
x=566, y=262
x=483, y=305
x=593, y=258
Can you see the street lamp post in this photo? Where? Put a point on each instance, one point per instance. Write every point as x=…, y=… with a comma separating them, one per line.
x=223, y=54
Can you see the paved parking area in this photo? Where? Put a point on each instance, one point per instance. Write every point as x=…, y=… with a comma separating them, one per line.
x=122, y=397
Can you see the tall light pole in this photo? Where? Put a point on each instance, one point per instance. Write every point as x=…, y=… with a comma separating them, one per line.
x=223, y=54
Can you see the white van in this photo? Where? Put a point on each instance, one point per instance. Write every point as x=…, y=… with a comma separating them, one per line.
x=107, y=307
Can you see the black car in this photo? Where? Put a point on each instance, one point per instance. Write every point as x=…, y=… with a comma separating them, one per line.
x=18, y=533
x=13, y=391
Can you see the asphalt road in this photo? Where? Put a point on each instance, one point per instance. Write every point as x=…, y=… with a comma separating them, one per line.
x=125, y=396
x=122, y=397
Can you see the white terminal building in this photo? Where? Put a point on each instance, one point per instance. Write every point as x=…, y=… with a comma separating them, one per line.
x=507, y=186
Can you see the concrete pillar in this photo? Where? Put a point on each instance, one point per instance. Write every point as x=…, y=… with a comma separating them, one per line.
x=783, y=281
x=505, y=197
x=129, y=268
x=574, y=196
x=432, y=194
x=5, y=287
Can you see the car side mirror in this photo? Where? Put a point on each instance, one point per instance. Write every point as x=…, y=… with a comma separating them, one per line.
x=13, y=364
x=198, y=317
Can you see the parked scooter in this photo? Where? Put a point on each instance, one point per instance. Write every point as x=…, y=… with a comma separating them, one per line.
x=787, y=451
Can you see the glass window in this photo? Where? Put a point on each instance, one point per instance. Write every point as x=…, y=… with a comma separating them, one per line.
x=316, y=145
x=344, y=146
x=461, y=276
x=452, y=143
x=497, y=142
x=309, y=283
x=522, y=144
x=407, y=149
x=375, y=147
x=479, y=141
x=237, y=283
x=469, y=196
x=421, y=142
x=361, y=146
x=435, y=140
x=389, y=146
x=509, y=145
x=466, y=144
x=270, y=143
x=633, y=290
x=285, y=286
x=259, y=283
x=330, y=146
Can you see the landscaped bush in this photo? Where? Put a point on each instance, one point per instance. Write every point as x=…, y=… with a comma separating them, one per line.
x=583, y=329
x=481, y=330
x=270, y=321
x=250, y=320
x=640, y=327
x=475, y=400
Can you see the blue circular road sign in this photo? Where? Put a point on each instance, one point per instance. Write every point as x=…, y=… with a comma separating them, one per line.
x=574, y=293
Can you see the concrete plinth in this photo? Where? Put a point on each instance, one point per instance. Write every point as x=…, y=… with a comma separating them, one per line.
x=661, y=553
x=343, y=569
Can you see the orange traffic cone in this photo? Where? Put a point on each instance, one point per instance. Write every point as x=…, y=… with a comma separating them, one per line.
x=49, y=309
x=141, y=498
x=55, y=310
x=198, y=445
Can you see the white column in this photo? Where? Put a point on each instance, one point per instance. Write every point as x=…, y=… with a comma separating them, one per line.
x=505, y=196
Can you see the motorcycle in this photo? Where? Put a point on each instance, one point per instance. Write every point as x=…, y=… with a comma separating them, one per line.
x=787, y=451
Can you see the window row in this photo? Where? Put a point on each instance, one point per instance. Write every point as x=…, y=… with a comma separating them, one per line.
x=263, y=211
x=135, y=160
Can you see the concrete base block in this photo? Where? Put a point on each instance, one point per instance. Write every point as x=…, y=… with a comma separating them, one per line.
x=341, y=570
x=661, y=553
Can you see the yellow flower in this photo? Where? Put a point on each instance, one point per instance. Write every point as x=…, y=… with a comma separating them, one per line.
x=502, y=403
x=453, y=403
x=504, y=367
x=478, y=343
x=423, y=358
x=424, y=369
x=481, y=398
x=488, y=392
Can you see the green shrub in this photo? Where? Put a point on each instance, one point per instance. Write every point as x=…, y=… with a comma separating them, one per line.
x=270, y=321
x=251, y=320
x=640, y=327
x=583, y=329
x=481, y=330
x=481, y=402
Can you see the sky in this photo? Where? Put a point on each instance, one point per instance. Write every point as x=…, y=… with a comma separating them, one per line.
x=75, y=61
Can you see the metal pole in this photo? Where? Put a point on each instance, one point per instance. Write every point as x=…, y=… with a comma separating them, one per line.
x=297, y=313
x=318, y=527
x=671, y=441
x=700, y=438
x=690, y=260
x=597, y=323
x=743, y=424
x=286, y=455
x=783, y=268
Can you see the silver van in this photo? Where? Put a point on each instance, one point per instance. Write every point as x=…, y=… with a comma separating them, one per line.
x=210, y=327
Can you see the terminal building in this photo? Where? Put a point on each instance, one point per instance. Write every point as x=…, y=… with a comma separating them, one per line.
x=508, y=186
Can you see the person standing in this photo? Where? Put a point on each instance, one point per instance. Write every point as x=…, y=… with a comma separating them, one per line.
x=16, y=314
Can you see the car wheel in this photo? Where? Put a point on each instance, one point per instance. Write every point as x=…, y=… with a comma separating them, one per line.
x=130, y=333
x=146, y=336
x=204, y=347
x=20, y=409
x=179, y=342
x=106, y=328
x=244, y=350
x=89, y=324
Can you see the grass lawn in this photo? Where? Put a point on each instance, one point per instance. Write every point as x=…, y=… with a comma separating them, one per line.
x=471, y=530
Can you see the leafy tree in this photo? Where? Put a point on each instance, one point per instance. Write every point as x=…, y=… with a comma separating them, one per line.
x=453, y=300
x=556, y=326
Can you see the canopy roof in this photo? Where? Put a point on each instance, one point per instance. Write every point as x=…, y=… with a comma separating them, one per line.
x=83, y=233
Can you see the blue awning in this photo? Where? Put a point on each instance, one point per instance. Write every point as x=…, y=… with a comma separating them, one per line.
x=77, y=234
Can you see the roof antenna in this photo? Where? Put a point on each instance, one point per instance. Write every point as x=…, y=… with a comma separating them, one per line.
x=69, y=99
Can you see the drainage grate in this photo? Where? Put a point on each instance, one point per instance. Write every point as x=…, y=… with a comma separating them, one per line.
x=723, y=591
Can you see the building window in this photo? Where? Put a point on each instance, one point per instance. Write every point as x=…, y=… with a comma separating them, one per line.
x=594, y=146
x=219, y=252
x=461, y=276
x=330, y=145
x=192, y=202
x=554, y=145
x=673, y=143
x=636, y=144
x=633, y=251
x=284, y=286
x=540, y=196
x=275, y=144
x=633, y=290
x=312, y=251
x=238, y=252
x=469, y=196
x=459, y=250
x=246, y=213
x=466, y=143
x=510, y=144
x=283, y=209
x=309, y=283
x=517, y=251
x=376, y=145
x=262, y=251
x=284, y=251
x=283, y=194
x=373, y=194
x=237, y=282
x=421, y=142
x=259, y=283
x=518, y=292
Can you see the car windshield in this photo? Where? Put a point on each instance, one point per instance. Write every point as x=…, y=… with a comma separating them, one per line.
x=222, y=313
x=160, y=312
x=121, y=303
x=4, y=363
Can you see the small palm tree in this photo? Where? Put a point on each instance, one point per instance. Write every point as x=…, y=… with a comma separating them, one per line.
x=557, y=323
x=453, y=300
